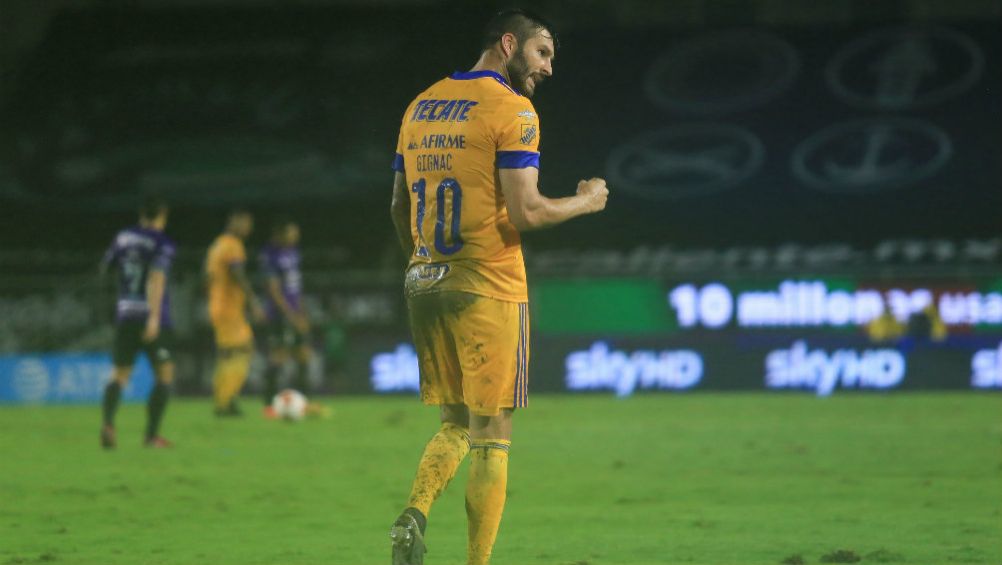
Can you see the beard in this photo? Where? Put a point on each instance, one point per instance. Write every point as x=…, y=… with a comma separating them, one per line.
x=521, y=78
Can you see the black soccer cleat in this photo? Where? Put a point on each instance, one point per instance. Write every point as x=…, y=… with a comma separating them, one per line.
x=108, y=437
x=408, y=541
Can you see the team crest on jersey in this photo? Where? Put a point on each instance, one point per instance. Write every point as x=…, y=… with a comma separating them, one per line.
x=526, y=114
x=421, y=278
x=528, y=134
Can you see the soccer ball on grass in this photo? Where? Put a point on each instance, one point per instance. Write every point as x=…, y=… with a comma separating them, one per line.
x=290, y=405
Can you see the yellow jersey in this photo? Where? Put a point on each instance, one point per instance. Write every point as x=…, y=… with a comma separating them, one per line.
x=226, y=298
x=453, y=138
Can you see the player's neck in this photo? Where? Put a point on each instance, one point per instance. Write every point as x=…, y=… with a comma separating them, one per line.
x=491, y=61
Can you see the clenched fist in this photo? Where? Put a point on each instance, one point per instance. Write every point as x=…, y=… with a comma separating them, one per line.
x=596, y=193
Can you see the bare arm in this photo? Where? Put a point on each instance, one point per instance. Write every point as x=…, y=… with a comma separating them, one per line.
x=297, y=319
x=156, y=283
x=400, y=210
x=274, y=288
x=530, y=210
x=240, y=276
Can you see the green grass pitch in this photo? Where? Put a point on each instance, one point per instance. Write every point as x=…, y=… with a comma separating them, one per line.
x=701, y=478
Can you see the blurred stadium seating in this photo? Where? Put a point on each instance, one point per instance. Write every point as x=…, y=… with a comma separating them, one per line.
x=746, y=144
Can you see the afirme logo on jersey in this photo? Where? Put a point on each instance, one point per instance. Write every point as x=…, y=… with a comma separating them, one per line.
x=601, y=368
x=986, y=368
x=821, y=371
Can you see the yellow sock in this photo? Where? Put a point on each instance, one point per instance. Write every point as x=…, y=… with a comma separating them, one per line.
x=442, y=456
x=229, y=376
x=485, y=496
x=238, y=373
x=219, y=384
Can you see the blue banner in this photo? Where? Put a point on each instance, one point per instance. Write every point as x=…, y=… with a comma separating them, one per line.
x=66, y=378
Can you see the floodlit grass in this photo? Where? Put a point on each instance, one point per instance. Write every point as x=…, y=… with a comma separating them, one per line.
x=701, y=478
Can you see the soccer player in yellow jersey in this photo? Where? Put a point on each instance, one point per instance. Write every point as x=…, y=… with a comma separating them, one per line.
x=466, y=185
x=229, y=293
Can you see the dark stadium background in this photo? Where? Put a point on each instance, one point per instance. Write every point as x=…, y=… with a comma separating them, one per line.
x=781, y=343
x=746, y=143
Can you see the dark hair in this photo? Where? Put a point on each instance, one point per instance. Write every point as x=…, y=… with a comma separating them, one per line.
x=280, y=224
x=522, y=23
x=152, y=206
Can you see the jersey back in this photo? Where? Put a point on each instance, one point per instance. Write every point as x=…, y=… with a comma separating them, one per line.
x=226, y=297
x=453, y=139
x=134, y=253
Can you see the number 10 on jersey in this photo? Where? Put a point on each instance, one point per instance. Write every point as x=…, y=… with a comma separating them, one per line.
x=441, y=245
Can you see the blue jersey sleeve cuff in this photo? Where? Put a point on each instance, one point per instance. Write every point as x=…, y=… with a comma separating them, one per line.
x=517, y=159
x=398, y=163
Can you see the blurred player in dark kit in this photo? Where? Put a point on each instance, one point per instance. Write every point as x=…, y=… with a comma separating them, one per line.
x=288, y=328
x=141, y=255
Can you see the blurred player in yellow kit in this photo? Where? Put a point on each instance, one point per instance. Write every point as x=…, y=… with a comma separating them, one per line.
x=466, y=185
x=229, y=294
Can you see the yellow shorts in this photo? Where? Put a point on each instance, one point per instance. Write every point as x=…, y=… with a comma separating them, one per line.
x=232, y=330
x=472, y=350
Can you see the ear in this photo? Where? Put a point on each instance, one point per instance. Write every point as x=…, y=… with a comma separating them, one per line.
x=509, y=44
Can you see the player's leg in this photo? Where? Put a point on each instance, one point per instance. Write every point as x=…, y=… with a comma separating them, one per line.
x=441, y=459
x=494, y=383
x=109, y=403
x=278, y=355
x=124, y=351
x=234, y=350
x=442, y=456
x=485, y=487
x=220, y=332
x=159, y=355
x=232, y=366
x=241, y=361
x=303, y=356
x=218, y=396
x=303, y=352
x=441, y=384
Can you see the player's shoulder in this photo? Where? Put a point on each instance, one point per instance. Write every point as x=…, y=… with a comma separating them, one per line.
x=515, y=108
x=125, y=233
x=499, y=99
x=436, y=89
x=236, y=245
x=133, y=236
x=222, y=242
